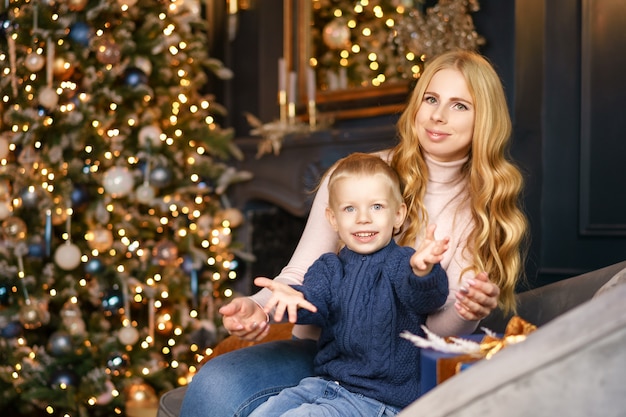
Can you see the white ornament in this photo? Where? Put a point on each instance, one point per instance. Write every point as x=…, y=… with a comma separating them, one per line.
x=106, y=396
x=150, y=134
x=336, y=34
x=118, y=181
x=48, y=98
x=142, y=62
x=34, y=62
x=67, y=256
x=128, y=335
x=145, y=193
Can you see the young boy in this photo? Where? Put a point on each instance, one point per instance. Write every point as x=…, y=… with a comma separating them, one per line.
x=362, y=299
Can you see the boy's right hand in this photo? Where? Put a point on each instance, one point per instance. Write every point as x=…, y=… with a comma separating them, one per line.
x=284, y=298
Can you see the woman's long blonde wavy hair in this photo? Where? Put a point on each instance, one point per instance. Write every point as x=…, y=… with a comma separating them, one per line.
x=498, y=242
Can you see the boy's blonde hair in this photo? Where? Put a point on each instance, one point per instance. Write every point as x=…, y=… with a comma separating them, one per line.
x=362, y=164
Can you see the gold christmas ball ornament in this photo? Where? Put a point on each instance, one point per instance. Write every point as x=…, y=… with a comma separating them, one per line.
x=232, y=215
x=14, y=230
x=100, y=239
x=62, y=68
x=108, y=52
x=4, y=145
x=6, y=209
x=141, y=400
x=76, y=5
x=34, y=314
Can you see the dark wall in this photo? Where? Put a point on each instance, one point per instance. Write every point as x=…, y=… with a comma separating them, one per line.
x=583, y=197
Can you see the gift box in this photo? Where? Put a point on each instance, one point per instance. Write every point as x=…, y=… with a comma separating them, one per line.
x=442, y=358
x=438, y=366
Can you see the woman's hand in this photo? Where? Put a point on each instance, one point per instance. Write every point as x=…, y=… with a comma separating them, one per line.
x=245, y=318
x=478, y=299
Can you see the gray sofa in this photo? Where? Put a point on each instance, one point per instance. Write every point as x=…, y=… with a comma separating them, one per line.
x=574, y=364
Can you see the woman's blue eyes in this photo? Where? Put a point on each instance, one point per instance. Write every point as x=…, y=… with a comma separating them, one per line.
x=433, y=100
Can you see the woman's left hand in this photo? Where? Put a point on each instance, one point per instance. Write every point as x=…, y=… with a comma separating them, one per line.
x=478, y=299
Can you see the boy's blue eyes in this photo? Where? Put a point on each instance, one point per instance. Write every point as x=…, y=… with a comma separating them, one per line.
x=350, y=209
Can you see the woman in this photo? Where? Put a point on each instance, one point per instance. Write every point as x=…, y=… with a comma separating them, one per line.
x=452, y=157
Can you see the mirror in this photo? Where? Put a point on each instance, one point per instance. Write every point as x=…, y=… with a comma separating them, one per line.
x=367, y=54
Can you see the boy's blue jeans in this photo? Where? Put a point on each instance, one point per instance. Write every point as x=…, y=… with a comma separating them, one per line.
x=234, y=384
x=322, y=398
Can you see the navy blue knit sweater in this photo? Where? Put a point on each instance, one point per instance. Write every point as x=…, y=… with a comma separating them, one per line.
x=364, y=302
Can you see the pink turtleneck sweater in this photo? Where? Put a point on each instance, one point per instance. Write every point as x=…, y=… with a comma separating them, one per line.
x=447, y=206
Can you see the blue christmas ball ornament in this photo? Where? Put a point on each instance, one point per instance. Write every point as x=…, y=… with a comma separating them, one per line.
x=135, y=77
x=113, y=301
x=42, y=111
x=36, y=247
x=6, y=25
x=79, y=196
x=64, y=378
x=11, y=330
x=117, y=363
x=188, y=264
x=60, y=343
x=94, y=266
x=5, y=294
x=81, y=33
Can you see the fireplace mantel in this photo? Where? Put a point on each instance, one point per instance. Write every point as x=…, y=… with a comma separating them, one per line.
x=286, y=179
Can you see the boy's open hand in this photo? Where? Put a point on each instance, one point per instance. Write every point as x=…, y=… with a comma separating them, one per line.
x=283, y=298
x=429, y=252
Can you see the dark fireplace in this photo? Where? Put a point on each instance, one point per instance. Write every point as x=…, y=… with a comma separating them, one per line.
x=273, y=234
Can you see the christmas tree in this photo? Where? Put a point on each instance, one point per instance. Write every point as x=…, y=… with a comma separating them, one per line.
x=372, y=42
x=116, y=244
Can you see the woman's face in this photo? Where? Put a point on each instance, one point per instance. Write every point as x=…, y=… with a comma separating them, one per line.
x=445, y=119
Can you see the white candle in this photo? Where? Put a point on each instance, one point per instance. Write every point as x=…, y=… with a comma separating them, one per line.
x=291, y=98
x=282, y=70
x=343, y=78
x=291, y=93
x=310, y=84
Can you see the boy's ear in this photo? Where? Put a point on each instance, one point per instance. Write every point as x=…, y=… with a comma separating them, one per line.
x=400, y=216
x=330, y=216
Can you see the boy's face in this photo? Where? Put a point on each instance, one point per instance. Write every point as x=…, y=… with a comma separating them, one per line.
x=365, y=212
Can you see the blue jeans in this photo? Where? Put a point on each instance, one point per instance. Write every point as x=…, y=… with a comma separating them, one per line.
x=235, y=383
x=317, y=397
